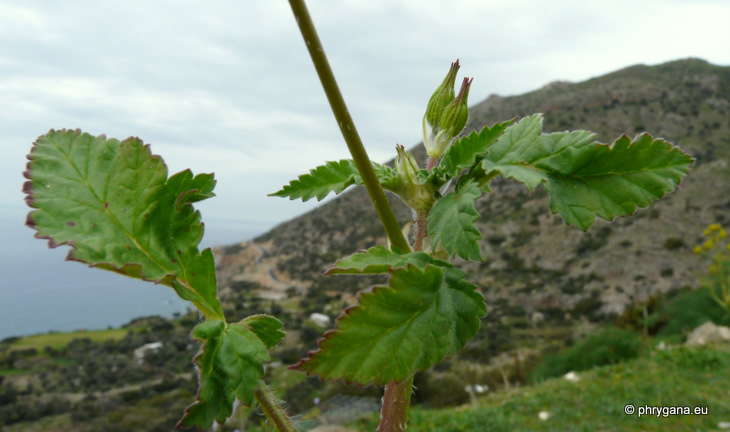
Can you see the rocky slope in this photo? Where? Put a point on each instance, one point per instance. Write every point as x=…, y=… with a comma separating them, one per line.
x=533, y=262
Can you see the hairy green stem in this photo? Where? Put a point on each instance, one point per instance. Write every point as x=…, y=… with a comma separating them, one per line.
x=273, y=410
x=347, y=127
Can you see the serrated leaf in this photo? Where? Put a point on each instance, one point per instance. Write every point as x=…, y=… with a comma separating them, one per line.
x=189, y=189
x=465, y=150
x=113, y=204
x=230, y=366
x=330, y=177
x=333, y=177
x=267, y=328
x=451, y=222
x=387, y=177
x=585, y=178
x=380, y=259
x=423, y=316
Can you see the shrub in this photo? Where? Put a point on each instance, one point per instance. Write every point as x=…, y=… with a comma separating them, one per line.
x=689, y=310
x=609, y=346
x=442, y=389
x=673, y=243
x=646, y=316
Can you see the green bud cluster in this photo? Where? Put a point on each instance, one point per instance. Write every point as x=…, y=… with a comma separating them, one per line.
x=446, y=114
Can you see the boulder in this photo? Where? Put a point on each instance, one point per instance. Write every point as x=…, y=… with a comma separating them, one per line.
x=707, y=333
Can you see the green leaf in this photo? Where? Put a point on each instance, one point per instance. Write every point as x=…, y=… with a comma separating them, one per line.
x=331, y=177
x=267, y=328
x=189, y=189
x=230, y=365
x=465, y=150
x=451, y=222
x=113, y=204
x=387, y=176
x=423, y=316
x=585, y=178
x=380, y=259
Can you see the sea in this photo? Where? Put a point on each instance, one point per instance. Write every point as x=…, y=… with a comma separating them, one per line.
x=40, y=292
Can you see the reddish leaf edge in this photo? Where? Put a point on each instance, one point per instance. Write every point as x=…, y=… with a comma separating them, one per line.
x=52, y=244
x=298, y=366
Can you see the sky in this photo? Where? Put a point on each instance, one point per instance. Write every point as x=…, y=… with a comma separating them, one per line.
x=228, y=87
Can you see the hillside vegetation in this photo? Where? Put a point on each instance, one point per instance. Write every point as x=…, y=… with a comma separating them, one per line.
x=677, y=377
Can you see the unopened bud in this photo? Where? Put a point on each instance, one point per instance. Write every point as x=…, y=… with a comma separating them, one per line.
x=442, y=96
x=416, y=195
x=456, y=113
x=406, y=166
x=446, y=115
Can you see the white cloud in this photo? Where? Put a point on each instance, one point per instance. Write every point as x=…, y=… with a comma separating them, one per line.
x=228, y=87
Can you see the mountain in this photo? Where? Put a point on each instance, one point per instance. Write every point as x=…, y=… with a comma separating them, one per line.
x=533, y=261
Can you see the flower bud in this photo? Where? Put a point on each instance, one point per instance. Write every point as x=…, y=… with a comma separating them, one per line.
x=456, y=113
x=416, y=195
x=442, y=96
x=446, y=115
x=406, y=166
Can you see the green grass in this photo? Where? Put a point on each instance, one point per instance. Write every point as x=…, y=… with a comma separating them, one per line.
x=59, y=340
x=61, y=422
x=675, y=377
x=63, y=361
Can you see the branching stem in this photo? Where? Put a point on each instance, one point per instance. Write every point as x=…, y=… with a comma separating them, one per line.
x=347, y=127
x=397, y=396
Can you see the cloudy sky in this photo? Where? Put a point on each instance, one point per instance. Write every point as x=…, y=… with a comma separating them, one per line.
x=227, y=87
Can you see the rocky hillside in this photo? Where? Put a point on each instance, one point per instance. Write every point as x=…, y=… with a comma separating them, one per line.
x=533, y=262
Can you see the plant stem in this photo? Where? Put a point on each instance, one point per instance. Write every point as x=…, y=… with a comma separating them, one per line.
x=396, y=400
x=274, y=412
x=397, y=397
x=347, y=127
x=431, y=163
x=421, y=230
